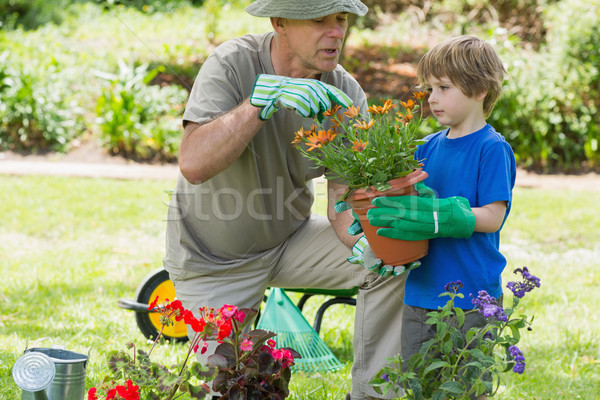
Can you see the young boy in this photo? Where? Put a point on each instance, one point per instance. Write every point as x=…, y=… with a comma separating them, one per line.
x=472, y=172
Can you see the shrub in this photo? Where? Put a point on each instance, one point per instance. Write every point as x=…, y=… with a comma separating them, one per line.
x=30, y=14
x=138, y=120
x=549, y=111
x=37, y=110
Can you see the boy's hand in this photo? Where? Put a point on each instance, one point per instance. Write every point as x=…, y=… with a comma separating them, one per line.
x=308, y=97
x=417, y=218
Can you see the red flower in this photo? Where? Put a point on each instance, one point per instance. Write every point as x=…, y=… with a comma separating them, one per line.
x=111, y=394
x=204, y=348
x=152, y=305
x=224, y=330
x=196, y=324
x=92, y=394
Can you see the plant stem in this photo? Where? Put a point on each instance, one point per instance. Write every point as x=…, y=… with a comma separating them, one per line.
x=156, y=340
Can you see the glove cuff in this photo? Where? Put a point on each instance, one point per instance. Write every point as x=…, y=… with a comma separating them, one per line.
x=463, y=219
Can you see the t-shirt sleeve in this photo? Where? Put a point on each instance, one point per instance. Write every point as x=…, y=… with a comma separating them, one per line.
x=497, y=174
x=216, y=90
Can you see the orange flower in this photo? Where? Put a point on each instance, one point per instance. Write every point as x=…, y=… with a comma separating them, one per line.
x=387, y=106
x=419, y=95
x=300, y=135
x=320, y=138
x=408, y=104
x=405, y=118
x=359, y=145
x=352, y=112
x=364, y=125
x=331, y=112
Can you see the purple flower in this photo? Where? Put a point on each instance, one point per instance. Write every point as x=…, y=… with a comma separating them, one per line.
x=528, y=283
x=385, y=377
x=454, y=287
x=517, y=356
x=488, y=306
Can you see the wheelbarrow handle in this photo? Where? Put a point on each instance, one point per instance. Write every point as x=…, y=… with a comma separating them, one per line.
x=133, y=306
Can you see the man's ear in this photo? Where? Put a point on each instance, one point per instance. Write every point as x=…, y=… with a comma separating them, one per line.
x=278, y=24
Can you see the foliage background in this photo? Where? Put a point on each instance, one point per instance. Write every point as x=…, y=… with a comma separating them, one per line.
x=54, y=53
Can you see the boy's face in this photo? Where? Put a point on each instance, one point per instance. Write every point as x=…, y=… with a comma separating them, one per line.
x=452, y=107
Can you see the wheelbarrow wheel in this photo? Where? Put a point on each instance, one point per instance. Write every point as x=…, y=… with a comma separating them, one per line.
x=158, y=284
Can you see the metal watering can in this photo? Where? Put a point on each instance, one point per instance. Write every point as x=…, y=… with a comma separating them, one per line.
x=51, y=374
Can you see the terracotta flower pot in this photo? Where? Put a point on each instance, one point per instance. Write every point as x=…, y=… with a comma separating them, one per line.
x=390, y=251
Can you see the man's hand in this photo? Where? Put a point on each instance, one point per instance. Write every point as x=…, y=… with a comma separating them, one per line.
x=417, y=218
x=309, y=97
x=355, y=228
x=363, y=255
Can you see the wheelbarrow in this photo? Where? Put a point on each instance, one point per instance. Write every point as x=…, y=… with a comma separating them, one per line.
x=158, y=283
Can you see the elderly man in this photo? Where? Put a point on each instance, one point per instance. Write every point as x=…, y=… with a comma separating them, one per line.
x=240, y=218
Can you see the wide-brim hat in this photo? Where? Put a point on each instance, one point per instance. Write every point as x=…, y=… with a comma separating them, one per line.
x=304, y=9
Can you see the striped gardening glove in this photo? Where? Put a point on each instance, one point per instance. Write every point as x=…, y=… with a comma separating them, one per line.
x=363, y=255
x=309, y=97
x=355, y=228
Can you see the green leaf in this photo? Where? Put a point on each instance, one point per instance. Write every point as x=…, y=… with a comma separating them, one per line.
x=435, y=365
x=202, y=372
x=196, y=391
x=447, y=347
x=460, y=316
x=453, y=387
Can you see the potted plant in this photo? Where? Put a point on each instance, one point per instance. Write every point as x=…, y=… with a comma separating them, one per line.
x=245, y=365
x=374, y=155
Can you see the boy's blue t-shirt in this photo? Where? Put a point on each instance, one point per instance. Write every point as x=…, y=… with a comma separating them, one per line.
x=480, y=167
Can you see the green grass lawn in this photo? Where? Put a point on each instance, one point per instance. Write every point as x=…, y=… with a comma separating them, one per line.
x=70, y=248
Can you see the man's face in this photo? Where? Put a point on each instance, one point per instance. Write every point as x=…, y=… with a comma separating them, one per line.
x=316, y=44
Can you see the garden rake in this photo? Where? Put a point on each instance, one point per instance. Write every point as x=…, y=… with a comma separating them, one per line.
x=282, y=317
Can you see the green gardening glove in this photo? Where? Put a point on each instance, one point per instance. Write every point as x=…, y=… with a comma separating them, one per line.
x=309, y=97
x=422, y=217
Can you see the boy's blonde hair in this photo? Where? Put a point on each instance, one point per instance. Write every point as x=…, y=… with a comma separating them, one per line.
x=470, y=63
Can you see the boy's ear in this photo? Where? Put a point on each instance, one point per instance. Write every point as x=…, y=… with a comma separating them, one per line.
x=481, y=96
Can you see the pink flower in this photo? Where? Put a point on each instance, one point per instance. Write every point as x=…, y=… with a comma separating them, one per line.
x=271, y=343
x=228, y=311
x=246, y=345
x=287, y=358
x=277, y=354
x=239, y=316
